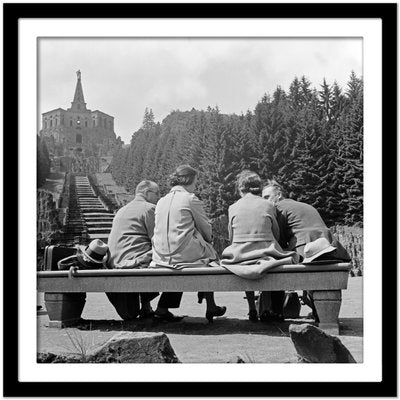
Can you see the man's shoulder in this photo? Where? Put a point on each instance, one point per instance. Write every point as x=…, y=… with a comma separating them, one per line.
x=293, y=205
x=135, y=207
x=287, y=203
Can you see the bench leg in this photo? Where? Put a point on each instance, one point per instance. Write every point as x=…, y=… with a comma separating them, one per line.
x=327, y=304
x=64, y=309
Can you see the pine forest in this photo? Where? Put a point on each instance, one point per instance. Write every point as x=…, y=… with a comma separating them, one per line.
x=309, y=139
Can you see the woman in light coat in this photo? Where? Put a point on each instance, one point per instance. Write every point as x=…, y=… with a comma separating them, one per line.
x=182, y=232
x=253, y=232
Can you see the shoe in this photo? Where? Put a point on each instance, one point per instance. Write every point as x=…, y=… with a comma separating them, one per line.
x=216, y=313
x=253, y=316
x=144, y=314
x=167, y=317
x=200, y=297
x=270, y=316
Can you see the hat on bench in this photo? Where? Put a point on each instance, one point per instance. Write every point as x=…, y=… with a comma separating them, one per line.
x=94, y=255
x=316, y=248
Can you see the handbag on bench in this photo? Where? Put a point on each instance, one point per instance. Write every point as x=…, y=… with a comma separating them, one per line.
x=53, y=254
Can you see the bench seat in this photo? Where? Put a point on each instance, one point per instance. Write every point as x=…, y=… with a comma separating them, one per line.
x=326, y=281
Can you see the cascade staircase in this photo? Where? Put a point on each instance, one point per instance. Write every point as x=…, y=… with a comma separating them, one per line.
x=87, y=217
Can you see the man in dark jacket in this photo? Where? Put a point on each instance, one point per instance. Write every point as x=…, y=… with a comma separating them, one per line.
x=299, y=224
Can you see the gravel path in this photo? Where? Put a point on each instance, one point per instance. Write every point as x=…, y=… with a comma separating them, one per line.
x=196, y=341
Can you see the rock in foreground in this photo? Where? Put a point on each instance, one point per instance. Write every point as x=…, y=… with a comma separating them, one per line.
x=136, y=347
x=51, y=358
x=315, y=346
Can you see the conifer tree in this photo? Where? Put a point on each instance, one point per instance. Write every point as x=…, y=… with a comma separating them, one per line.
x=326, y=98
x=148, y=119
x=351, y=150
x=213, y=166
x=43, y=161
x=269, y=136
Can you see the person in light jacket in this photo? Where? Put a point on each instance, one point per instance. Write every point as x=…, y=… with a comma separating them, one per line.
x=253, y=232
x=130, y=247
x=182, y=233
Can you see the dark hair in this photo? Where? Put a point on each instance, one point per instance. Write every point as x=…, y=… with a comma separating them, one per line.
x=248, y=182
x=184, y=175
x=278, y=188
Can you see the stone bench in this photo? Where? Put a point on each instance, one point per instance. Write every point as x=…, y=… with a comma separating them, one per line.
x=65, y=296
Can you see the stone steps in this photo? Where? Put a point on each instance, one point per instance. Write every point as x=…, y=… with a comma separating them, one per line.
x=87, y=214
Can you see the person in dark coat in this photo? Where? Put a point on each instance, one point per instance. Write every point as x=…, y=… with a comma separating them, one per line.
x=299, y=224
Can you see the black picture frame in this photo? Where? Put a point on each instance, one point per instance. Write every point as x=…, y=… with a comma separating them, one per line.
x=12, y=386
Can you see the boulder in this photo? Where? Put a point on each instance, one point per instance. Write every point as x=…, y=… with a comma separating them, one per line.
x=51, y=358
x=135, y=347
x=315, y=346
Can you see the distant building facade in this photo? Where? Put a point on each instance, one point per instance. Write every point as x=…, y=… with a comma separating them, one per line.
x=78, y=129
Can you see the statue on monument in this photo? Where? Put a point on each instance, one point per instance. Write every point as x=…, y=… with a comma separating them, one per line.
x=78, y=74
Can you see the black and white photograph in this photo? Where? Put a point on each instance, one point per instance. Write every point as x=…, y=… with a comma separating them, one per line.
x=227, y=169
x=204, y=198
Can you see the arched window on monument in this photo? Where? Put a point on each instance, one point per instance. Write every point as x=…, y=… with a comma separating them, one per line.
x=78, y=138
x=70, y=122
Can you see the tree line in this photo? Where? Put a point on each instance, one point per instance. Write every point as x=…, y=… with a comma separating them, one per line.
x=43, y=161
x=310, y=140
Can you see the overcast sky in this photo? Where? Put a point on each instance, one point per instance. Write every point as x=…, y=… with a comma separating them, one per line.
x=122, y=77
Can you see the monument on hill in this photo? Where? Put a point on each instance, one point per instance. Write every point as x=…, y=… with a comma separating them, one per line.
x=78, y=130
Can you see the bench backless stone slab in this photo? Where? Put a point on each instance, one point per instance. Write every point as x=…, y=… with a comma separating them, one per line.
x=326, y=281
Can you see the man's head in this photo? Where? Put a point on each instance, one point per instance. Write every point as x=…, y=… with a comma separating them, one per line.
x=149, y=190
x=273, y=191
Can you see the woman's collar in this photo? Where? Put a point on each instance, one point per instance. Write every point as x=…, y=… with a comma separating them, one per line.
x=251, y=194
x=178, y=188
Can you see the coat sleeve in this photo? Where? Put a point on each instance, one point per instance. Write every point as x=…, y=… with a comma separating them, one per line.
x=283, y=239
x=201, y=221
x=149, y=221
x=230, y=230
x=275, y=226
